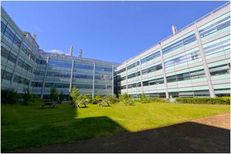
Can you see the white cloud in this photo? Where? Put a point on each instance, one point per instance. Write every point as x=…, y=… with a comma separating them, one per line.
x=57, y=51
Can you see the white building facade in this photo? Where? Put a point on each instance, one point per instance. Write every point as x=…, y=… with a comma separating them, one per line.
x=194, y=62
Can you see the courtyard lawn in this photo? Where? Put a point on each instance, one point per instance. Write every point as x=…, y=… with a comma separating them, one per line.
x=29, y=126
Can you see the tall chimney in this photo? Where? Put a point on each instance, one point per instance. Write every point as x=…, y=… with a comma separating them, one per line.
x=71, y=51
x=174, y=30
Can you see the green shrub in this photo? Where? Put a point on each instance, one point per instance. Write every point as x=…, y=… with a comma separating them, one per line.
x=110, y=99
x=217, y=100
x=27, y=97
x=97, y=99
x=144, y=99
x=159, y=100
x=9, y=96
x=126, y=99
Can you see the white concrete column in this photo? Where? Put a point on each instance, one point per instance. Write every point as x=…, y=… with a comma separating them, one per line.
x=93, y=82
x=203, y=57
x=112, y=84
x=164, y=73
x=71, y=77
x=44, y=78
x=126, y=77
x=16, y=63
x=141, y=77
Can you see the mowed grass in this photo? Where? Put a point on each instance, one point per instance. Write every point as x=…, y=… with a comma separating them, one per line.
x=30, y=126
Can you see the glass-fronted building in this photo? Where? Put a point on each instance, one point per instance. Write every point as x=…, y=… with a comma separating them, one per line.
x=194, y=61
x=25, y=66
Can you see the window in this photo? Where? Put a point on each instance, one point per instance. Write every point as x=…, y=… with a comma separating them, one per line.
x=58, y=63
x=153, y=82
x=17, y=41
x=12, y=57
x=3, y=27
x=6, y=75
x=83, y=66
x=4, y=52
x=122, y=70
x=182, y=59
x=133, y=75
x=185, y=41
x=219, y=25
x=36, y=84
x=133, y=65
x=219, y=70
x=83, y=76
x=21, y=80
x=152, y=69
x=134, y=85
x=103, y=69
x=9, y=34
x=150, y=57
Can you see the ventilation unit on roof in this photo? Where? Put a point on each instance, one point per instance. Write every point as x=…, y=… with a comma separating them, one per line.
x=174, y=30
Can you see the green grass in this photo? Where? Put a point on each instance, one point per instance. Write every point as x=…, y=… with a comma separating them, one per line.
x=29, y=126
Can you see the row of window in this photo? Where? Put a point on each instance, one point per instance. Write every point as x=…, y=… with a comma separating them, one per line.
x=21, y=80
x=150, y=57
x=134, y=85
x=134, y=75
x=57, y=85
x=186, y=76
x=58, y=63
x=153, y=82
x=152, y=69
x=217, y=26
x=182, y=59
x=133, y=65
x=24, y=65
x=185, y=41
x=219, y=70
x=6, y=75
x=27, y=51
x=6, y=31
x=36, y=84
x=217, y=46
x=61, y=74
x=8, y=55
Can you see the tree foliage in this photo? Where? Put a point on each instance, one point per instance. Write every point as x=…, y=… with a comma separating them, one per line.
x=126, y=99
x=54, y=94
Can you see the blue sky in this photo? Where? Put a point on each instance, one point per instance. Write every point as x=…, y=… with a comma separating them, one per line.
x=112, y=31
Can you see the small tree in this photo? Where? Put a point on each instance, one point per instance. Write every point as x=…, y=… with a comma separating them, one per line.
x=75, y=96
x=54, y=94
x=27, y=97
x=126, y=99
x=61, y=97
x=144, y=99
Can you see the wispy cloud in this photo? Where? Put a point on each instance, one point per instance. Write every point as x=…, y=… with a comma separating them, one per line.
x=57, y=51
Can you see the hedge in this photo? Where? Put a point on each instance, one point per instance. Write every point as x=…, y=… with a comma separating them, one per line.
x=217, y=100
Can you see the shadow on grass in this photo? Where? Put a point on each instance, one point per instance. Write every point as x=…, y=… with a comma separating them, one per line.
x=60, y=132
x=184, y=137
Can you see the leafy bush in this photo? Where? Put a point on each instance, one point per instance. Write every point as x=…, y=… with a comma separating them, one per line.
x=144, y=99
x=61, y=97
x=110, y=99
x=159, y=100
x=82, y=101
x=126, y=99
x=97, y=99
x=54, y=94
x=217, y=100
x=27, y=97
x=9, y=96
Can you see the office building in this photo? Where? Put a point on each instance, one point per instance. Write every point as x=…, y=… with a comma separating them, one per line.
x=193, y=62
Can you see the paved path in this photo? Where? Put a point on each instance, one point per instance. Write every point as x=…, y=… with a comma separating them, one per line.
x=221, y=121
x=201, y=135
